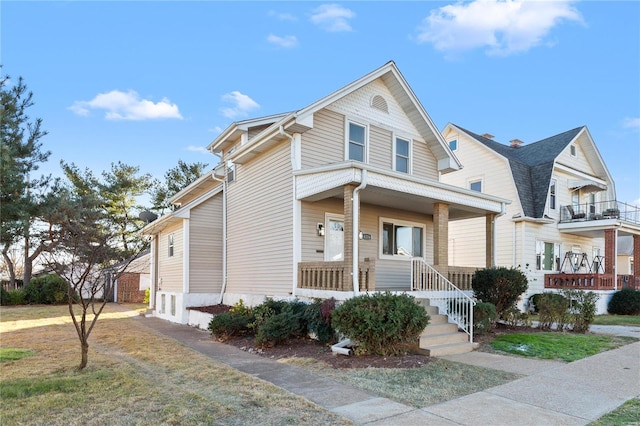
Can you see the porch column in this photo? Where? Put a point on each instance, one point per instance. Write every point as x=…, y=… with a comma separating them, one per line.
x=347, y=279
x=636, y=259
x=489, y=236
x=441, y=237
x=610, y=254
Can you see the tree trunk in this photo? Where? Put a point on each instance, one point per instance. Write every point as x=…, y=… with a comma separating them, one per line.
x=84, y=346
x=28, y=264
x=11, y=270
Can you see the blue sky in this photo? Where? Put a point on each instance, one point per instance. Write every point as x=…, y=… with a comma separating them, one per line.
x=151, y=82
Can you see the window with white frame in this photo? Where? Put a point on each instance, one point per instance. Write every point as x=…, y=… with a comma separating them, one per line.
x=453, y=144
x=547, y=256
x=170, y=245
x=402, y=155
x=552, y=194
x=475, y=185
x=401, y=239
x=357, y=142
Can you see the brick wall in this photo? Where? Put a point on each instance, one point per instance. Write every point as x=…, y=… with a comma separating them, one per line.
x=129, y=288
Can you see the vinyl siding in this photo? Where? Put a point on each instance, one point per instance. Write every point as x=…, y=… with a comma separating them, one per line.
x=380, y=148
x=170, y=268
x=425, y=164
x=205, y=260
x=324, y=144
x=260, y=225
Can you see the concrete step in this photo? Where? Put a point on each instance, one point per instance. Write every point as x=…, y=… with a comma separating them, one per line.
x=440, y=328
x=450, y=349
x=443, y=339
x=432, y=310
x=438, y=319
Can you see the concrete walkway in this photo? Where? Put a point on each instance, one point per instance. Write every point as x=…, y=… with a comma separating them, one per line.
x=551, y=393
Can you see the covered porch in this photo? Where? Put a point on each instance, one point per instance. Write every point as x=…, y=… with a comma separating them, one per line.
x=385, y=219
x=609, y=220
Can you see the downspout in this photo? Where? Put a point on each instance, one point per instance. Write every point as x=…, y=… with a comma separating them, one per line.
x=356, y=230
x=295, y=165
x=224, y=230
x=494, y=242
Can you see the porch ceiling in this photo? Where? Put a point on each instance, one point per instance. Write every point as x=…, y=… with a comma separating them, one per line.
x=394, y=190
x=596, y=228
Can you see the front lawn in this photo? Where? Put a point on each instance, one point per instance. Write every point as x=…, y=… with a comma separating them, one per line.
x=629, y=320
x=627, y=414
x=554, y=345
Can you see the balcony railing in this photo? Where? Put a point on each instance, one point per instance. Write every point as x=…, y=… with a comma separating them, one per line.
x=600, y=210
x=331, y=276
x=579, y=281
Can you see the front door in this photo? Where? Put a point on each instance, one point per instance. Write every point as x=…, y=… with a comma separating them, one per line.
x=334, y=239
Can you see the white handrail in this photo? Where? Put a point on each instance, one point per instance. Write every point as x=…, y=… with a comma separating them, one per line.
x=451, y=301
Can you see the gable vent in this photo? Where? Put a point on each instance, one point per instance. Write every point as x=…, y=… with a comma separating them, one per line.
x=380, y=103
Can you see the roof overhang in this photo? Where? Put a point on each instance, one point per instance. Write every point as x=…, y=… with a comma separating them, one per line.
x=588, y=185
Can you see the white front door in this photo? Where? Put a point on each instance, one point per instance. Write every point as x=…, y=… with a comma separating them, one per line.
x=334, y=239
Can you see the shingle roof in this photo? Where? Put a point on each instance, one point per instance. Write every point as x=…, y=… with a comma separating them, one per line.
x=531, y=166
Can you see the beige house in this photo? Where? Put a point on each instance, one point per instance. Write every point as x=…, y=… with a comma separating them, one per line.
x=302, y=200
x=563, y=224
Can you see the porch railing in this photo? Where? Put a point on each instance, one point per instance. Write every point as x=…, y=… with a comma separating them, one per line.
x=331, y=276
x=449, y=299
x=461, y=276
x=628, y=281
x=601, y=210
x=580, y=281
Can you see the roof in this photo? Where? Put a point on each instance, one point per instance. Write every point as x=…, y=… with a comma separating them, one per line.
x=531, y=166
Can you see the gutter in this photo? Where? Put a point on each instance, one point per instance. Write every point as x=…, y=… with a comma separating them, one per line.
x=356, y=230
x=224, y=229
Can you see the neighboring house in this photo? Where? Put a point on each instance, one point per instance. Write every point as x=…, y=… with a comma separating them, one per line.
x=625, y=257
x=129, y=285
x=562, y=226
x=300, y=200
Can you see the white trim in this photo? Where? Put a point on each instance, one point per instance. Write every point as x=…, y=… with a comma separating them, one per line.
x=457, y=141
x=297, y=236
x=383, y=220
x=554, y=184
x=347, y=141
x=185, y=255
x=394, y=154
x=573, y=150
x=471, y=181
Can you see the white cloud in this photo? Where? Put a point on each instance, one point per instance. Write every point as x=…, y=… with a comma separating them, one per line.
x=200, y=149
x=282, y=16
x=631, y=123
x=501, y=26
x=286, y=42
x=332, y=17
x=242, y=105
x=127, y=106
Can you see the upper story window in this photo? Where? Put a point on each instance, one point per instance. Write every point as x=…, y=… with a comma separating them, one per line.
x=552, y=194
x=453, y=144
x=401, y=238
x=476, y=185
x=170, y=245
x=402, y=155
x=547, y=256
x=572, y=149
x=357, y=147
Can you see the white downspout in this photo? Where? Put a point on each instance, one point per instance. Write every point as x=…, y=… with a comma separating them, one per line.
x=356, y=230
x=224, y=230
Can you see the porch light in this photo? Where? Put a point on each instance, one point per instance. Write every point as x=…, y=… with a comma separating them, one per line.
x=320, y=229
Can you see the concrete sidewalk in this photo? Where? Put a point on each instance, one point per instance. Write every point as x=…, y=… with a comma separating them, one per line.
x=552, y=393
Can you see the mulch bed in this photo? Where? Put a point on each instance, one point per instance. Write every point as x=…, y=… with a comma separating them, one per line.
x=309, y=348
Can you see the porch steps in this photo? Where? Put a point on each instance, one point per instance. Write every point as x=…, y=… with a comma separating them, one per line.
x=440, y=337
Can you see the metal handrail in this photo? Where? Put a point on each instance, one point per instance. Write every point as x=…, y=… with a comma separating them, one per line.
x=451, y=301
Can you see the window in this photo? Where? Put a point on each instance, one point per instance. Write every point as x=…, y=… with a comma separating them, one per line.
x=357, y=142
x=173, y=305
x=592, y=203
x=547, y=256
x=402, y=239
x=476, y=185
x=453, y=144
x=572, y=149
x=402, y=153
x=552, y=195
x=170, y=245
x=163, y=303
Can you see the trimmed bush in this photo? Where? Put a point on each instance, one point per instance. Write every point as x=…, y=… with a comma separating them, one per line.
x=278, y=321
x=382, y=323
x=318, y=315
x=500, y=286
x=484, y=316
x=233, y=323
x=49, y=290
x=625, y=302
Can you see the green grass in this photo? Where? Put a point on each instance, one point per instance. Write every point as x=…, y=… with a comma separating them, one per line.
x=562, y=346
x=630, y=320
x=627, y=414
x=13, y=354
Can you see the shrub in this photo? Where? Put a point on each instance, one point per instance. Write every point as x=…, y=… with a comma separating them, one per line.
x=382, y=323
x=516, y=318
x=232, y=323
x=49, y=290
x=12, y=297
x=534, y=300
x=4, y=296
x=147, y=296
x=318, y=315
x=625, y=302
x=275, y=322
x=484, y=316
x=500, y=286
x=553, y=309
x=582, y=309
